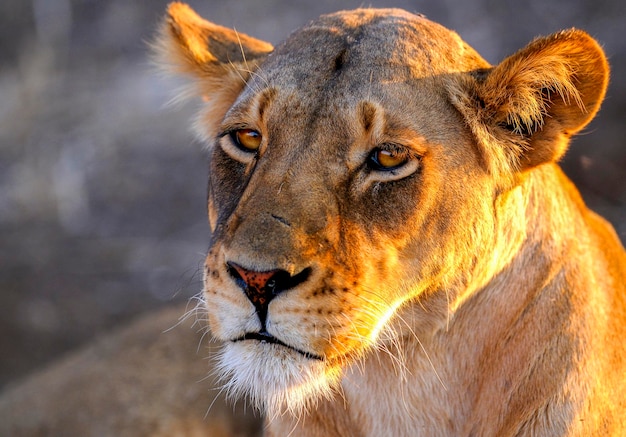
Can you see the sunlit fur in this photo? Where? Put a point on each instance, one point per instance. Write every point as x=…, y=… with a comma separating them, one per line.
x=465, y=291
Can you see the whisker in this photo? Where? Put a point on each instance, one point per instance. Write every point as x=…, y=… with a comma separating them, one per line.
x=186, y=315
x=222, y=389
x=424, y=350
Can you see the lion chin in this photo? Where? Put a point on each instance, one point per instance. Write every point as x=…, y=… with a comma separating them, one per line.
x=274, y=377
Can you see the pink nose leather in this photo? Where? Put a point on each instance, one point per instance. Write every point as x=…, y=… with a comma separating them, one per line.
x=254, y=279
x=257, y=288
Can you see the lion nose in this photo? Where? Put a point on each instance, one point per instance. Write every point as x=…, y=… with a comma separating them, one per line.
x=262, y=287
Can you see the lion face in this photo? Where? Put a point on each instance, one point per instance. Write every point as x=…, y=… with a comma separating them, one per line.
x=353, y=184
x=327, y=189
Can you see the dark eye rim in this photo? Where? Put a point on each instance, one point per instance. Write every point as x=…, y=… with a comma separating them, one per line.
x=374, y=164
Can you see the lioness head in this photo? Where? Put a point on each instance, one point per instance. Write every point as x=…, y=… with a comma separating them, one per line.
x=358, y=177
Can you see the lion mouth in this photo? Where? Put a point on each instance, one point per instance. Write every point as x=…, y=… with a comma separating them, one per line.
x=265, y=337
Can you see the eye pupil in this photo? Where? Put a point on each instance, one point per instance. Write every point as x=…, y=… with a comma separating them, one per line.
x=247, y=139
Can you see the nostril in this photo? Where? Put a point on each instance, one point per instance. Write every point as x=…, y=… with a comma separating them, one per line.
x=282, y=280
x=234, y=273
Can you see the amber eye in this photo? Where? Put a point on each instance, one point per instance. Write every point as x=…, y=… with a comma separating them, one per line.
x=248, y=140
x=382, y=159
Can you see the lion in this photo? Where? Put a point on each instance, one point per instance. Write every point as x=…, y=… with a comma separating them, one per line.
x=394, y=248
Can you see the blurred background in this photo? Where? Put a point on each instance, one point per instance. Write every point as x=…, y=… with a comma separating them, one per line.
x=102, y=186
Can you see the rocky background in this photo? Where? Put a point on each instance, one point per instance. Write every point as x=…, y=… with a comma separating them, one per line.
x=102, y=213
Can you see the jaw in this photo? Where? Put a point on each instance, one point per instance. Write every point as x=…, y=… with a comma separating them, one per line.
x=275, y=378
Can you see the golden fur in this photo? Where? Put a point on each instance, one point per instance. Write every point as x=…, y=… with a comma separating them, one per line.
x=441, y=276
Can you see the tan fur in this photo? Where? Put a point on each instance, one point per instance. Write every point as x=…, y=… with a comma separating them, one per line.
x=466, y=292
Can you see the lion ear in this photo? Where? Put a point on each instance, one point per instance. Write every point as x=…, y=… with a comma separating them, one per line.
x=217, y=57
x=536, y=99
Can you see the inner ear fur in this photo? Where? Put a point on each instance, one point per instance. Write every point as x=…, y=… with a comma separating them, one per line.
x=525, y=109
x=191, y=45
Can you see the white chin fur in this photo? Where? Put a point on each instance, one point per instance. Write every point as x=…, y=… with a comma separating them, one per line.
x=276, y=379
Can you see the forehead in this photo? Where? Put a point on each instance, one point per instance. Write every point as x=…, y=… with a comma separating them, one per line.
x=323, y=72
x=358, y=48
